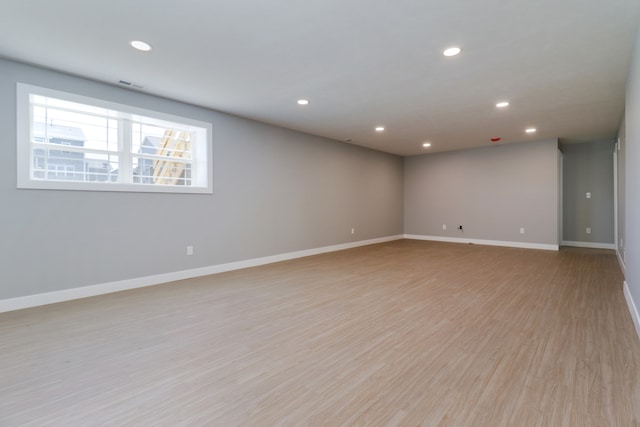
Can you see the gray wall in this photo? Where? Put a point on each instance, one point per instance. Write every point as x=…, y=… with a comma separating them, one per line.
x=491, y=192
x=632, y=176
x=275, y=191
x=588, y=168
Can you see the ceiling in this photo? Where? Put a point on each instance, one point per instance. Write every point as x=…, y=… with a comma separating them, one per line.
x=562, y=64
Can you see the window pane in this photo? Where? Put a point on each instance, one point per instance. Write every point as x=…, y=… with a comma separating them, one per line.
x=161, y=172
x=101, y=168
x=162, y=155
x=161, y=141
x=88, y=131
x=61, y=165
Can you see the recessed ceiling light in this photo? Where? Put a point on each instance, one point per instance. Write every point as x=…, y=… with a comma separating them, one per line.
x=452, y=51
x=530, y=130
x=303, y=102
x=380, y=129
x=426, y=144
x=140, y=45
x=502, y=104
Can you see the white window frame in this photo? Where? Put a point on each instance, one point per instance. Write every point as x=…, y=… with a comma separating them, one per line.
x=202, y=159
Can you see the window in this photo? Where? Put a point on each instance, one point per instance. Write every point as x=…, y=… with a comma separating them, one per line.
x=71, y=142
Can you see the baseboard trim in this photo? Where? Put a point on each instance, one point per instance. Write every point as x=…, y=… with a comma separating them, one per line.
x=592, y=245
x=632, y=307
x=621, y=262
x=522, y=245
x=36, y=300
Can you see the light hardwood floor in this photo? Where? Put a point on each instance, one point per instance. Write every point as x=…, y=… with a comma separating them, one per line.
x=403, y=333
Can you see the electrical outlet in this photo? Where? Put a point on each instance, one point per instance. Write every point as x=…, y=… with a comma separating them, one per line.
x=588, y=195
x=588, y=230
x=521, y=230
x=353, y=231
x=444, y=226
x=189, y=250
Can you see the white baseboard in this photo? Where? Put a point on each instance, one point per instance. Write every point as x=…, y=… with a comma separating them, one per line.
x=508, y=244
x=621, y=262
x=592, y=245
x=632, y=308
x=140, y=282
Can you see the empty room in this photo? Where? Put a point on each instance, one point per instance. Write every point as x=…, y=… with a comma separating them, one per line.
x=335, y=213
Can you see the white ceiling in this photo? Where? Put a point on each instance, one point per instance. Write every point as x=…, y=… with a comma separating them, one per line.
x=562, y=64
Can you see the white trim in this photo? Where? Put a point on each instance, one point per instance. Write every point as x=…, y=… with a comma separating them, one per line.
x=615, y=198
x=621, y=262
x=560, y=195
x=592, y=245
x=140, y=282
x=633, y=310
x=508, y=244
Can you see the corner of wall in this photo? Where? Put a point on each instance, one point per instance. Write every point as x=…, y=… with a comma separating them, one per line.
x=633, y=309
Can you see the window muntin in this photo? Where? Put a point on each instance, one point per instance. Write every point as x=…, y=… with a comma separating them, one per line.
x=71, y=142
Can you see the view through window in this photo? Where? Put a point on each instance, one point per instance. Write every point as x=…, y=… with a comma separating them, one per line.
x=98, y=145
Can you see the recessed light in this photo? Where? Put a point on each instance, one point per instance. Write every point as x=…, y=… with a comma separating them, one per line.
x=303, y=102
x=502, y=104
x=530, y=130
x=380, y=129
x=140, y=45
x=426, y=144
x=452, y=51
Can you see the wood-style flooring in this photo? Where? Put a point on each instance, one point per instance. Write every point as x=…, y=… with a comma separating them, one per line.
x=405, y=333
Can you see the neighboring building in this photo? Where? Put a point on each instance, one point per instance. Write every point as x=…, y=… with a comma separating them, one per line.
x=63, y=164
x=143, y=173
